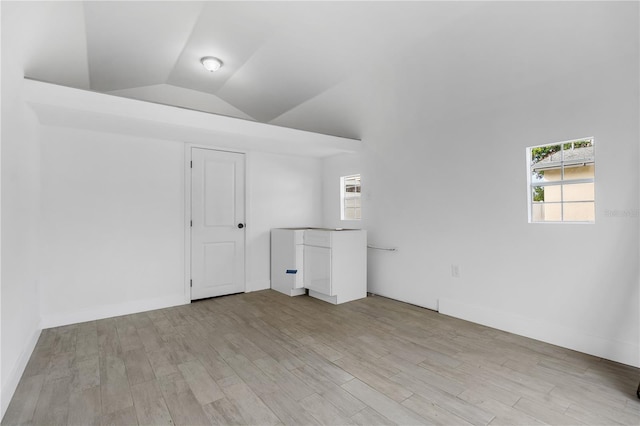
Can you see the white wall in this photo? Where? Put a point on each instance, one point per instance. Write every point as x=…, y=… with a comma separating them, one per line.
x=446, y=176
x=113, y=221
x=284, y=191
x=112, y=225
x=20, y=214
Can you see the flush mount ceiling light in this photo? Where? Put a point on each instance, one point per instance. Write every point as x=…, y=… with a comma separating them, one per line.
x=211, y=63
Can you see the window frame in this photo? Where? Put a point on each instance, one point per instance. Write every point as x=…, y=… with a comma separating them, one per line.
x=343, y=196
x=562, y=182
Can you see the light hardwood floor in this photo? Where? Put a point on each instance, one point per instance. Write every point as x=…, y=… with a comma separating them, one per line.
x=265, y=359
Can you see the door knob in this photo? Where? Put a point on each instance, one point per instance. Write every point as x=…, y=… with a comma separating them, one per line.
x=241, y=225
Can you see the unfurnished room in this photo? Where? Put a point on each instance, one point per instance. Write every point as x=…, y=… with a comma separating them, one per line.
x=329, y=212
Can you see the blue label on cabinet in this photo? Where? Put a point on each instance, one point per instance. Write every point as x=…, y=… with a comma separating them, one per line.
x=292, y=271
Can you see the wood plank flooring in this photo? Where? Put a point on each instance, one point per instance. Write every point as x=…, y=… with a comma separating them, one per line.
x=267, y=359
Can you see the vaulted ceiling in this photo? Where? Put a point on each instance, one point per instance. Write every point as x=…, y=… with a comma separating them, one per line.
x=318, y=66
x=277, y=55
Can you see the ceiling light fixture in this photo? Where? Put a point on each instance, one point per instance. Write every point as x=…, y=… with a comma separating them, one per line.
x=211, y=64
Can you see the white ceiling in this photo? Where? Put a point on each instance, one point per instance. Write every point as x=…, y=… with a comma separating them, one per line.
x=318, y=66
x=277, y=56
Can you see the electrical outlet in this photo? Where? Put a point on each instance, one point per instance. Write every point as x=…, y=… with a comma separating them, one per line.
x=455, y=271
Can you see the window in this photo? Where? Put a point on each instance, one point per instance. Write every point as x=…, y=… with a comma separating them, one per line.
x=350, y=207
x=562, y=181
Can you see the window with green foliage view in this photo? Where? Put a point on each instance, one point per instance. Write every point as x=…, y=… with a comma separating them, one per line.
x=562, y=181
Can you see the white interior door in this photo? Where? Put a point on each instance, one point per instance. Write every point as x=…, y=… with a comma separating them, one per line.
x=217, y=227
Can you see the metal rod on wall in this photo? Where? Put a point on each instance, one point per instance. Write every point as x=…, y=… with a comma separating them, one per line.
x=382, y=248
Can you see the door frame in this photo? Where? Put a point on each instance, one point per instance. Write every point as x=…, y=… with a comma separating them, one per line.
x=187, y=212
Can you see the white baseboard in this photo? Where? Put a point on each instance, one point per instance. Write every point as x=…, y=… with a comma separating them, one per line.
x=10, y=385
x=622, y=352
x=113, y=310
x=258, y=285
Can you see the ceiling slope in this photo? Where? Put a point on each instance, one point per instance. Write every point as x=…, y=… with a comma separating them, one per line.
x=49, y=38
x=134, y=44
x=185, y=98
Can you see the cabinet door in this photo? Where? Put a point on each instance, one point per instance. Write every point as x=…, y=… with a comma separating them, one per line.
x=299, y=277
x=317, y=269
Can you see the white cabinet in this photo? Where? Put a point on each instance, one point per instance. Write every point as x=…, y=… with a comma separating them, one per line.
x=335, y=264
x=287, y=261
x=330, y=264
